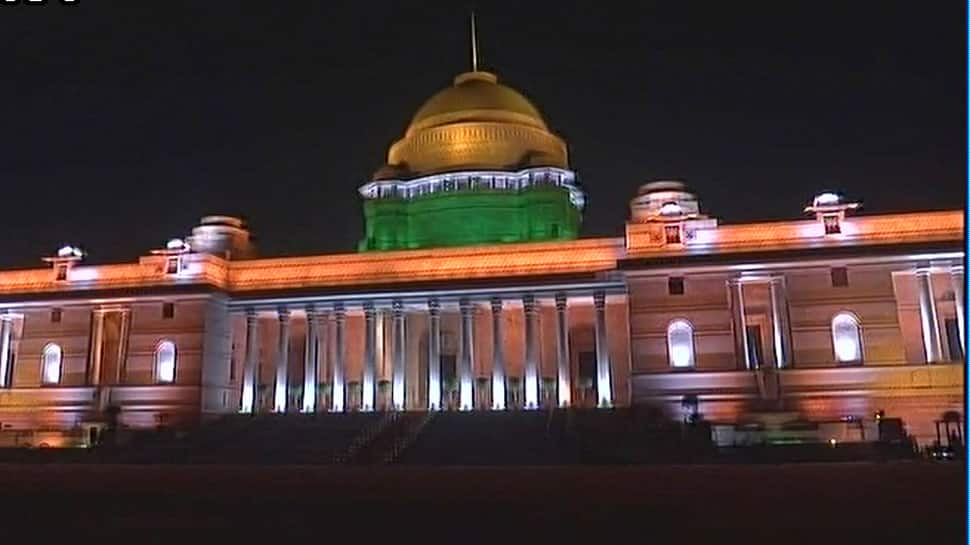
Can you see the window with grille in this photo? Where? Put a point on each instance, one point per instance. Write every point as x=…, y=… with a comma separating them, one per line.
x=840, y=277
x=675, y=285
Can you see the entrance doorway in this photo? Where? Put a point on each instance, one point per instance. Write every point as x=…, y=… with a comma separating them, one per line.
x=449, y=381
x=585, y=395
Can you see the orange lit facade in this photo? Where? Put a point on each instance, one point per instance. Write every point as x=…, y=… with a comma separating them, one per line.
x=577, y=322
x=831, y=315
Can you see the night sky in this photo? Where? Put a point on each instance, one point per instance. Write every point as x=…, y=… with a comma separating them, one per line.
x=125, y=122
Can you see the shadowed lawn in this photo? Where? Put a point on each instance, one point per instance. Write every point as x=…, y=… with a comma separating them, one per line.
x=902, y=502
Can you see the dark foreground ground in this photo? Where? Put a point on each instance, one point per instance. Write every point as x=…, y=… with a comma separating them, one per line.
x=902, y=502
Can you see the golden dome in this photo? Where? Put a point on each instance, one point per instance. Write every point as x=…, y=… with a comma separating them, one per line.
x=477, y=123
x=476, y=96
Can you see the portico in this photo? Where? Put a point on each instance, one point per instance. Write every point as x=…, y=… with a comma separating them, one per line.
x=503, y=338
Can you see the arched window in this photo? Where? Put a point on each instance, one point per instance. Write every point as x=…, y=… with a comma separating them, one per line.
x=846, y=338
x=680, y=344
x=165, y=362
x=50, y=371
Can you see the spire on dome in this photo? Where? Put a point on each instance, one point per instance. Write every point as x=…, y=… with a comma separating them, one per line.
x=474, y=37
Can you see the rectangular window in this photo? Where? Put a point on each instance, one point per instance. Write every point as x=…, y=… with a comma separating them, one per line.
x=672, y=232
x=172, y=265
x=953, y=339
x=755, y=351
x=11, y=358
x=61, y=273
x=232, y=363
x=56, y=315
x=675, y=285
x=168, y=311
x=832, y=226
x=840, y=277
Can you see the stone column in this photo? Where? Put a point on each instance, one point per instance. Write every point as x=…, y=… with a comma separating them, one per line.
x=323, y=356
x=370, y=358
x=6, y=333
x=738, y=322
x=95, y=356
x=398, y=371
x=340, y=318
x=121, y=369
x=928, y=317
x=604, y=388
x=498, y=357
x=780, y=325
x=531, y=351
x=957, y=278
x=249, y=367
x=280, y=393
x=434, y=355
x=563, y=387
x=310, y=362
x=466, y=384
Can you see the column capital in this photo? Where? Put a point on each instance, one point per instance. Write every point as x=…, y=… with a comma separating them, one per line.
x=497, y=304
x=922, y=271
x=283, y=314
x=250, y=313
x=466, y=306
x=311, y=312
x=560, y=301
x=398, y=308
x=599, y=300
x=339, y=311
x=369, y=310
x=434, y=307
x=529, y=304
x=956, y=268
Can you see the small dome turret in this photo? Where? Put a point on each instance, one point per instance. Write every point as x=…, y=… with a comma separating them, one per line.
x=224, y=236
x=664, y=200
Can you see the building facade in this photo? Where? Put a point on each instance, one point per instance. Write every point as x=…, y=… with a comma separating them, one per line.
x=471, y=290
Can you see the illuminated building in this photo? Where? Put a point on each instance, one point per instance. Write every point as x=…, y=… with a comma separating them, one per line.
x=829, y=315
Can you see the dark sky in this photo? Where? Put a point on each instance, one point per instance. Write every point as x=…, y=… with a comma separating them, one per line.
x=124, y=122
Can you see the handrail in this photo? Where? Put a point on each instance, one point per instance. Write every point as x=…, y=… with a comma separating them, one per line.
x=408, y=438
x=365, y=437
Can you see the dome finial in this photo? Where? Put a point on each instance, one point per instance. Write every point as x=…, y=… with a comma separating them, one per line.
x=474, y=45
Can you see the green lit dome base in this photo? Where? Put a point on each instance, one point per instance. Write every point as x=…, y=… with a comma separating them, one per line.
x=470, y=217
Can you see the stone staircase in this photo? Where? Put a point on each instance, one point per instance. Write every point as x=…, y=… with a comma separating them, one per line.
x=408, y=437
x=385, y=445
x=483, y=438
x=361, y=444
